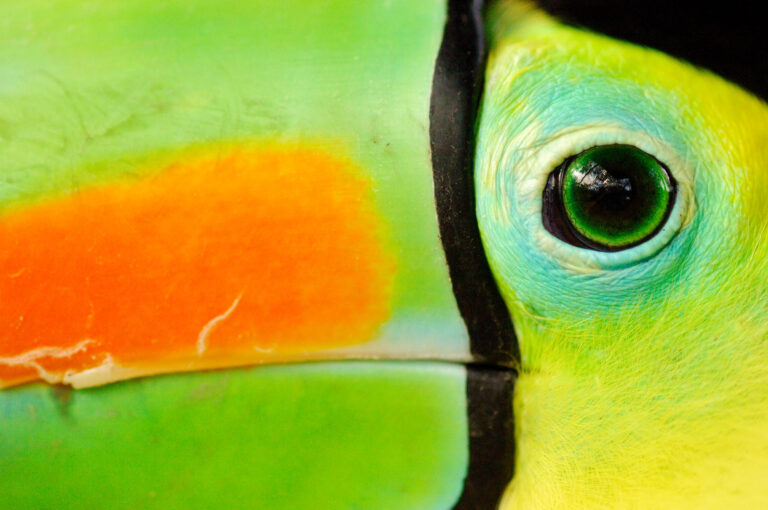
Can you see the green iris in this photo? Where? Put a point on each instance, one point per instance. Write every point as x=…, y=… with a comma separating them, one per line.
x=615, y=196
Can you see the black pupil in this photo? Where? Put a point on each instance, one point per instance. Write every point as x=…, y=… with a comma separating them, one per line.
x=605, y=192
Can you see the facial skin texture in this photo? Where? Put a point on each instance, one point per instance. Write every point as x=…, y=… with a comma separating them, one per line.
x=643, y=372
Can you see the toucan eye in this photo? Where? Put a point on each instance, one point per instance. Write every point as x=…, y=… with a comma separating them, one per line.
x=608, y=198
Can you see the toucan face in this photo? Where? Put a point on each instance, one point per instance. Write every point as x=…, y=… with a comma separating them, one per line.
x=619, y=196
x=315, y=254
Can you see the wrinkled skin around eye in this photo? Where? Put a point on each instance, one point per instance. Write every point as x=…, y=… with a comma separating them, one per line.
x=643, y=371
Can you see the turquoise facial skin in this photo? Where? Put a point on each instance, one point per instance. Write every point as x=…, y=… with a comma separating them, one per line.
x=519, y=123
x=642, y=377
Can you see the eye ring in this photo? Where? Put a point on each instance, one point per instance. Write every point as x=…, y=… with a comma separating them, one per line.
x=608, y=198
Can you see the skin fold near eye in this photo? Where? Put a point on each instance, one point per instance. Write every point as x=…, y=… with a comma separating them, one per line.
x=643, y=371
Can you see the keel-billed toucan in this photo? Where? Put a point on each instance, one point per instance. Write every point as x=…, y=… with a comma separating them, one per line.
x=381, y=255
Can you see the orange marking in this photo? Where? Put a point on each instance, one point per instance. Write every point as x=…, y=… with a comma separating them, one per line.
x=215, y=261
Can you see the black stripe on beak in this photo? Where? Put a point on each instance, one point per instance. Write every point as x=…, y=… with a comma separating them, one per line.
x=456, y=90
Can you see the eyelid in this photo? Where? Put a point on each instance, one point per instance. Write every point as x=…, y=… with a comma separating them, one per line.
x=536, y=163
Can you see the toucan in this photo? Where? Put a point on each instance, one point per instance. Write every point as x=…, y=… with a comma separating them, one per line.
x=380, y=255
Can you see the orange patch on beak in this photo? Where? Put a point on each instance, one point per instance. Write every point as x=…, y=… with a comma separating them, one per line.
x=215, y=261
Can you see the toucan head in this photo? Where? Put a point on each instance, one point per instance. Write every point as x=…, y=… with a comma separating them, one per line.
x=620, y=197
x=490, y=257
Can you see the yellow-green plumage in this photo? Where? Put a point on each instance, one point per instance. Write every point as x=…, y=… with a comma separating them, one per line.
x=644, y=372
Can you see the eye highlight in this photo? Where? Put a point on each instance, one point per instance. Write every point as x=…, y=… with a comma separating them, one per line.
x=608, y=198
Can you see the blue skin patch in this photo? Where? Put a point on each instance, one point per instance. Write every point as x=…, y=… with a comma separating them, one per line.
x=547, y=109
